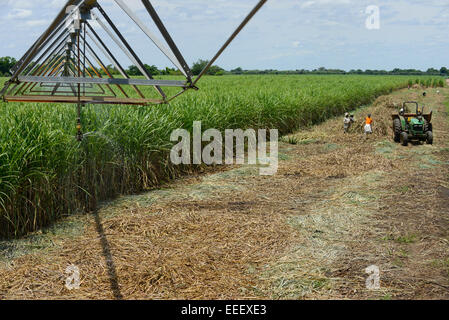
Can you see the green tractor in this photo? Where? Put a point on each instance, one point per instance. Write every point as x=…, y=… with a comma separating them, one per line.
x=410, y=127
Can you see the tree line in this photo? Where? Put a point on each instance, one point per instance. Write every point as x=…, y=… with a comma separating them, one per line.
x=6, y=63
x=322, y=71
x=196, y=69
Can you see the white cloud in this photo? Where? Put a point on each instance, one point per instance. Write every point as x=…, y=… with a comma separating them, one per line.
x=21, y=3
x=36, y=23
x=19, y=14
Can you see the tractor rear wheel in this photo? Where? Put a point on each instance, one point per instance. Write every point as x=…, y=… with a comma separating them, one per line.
x=427, y=126
x=397, y=128
x=429, y=139
x=404, y=138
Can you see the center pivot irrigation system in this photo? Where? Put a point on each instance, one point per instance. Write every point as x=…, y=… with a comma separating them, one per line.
x=63, y=65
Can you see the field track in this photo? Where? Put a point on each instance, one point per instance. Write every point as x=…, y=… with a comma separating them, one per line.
x=338, y=204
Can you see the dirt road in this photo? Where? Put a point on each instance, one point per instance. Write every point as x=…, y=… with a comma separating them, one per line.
x=339, y=204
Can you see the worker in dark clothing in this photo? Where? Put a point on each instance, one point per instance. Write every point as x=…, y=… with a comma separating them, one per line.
x=348, y=121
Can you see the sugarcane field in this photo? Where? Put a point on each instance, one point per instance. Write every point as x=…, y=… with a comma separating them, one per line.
x=199, y=153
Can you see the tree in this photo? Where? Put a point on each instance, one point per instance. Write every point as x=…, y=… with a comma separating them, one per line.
x=112, y=69
x=153, y=70
x=199, y=66
x=175, y=72
x=170, y=72
x=215, y=71
x=433, y=71
x=6, y=63
x=237, y=71
x=444, y=71
x=165, y=72
x=134, y=71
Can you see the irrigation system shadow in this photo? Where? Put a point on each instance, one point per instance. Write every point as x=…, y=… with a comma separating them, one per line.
x=91, y=205
x=112, y=272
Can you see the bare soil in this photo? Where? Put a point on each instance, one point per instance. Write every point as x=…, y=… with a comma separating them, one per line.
x=339, y=203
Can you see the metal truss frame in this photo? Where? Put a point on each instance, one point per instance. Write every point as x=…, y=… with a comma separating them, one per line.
x=64, y=65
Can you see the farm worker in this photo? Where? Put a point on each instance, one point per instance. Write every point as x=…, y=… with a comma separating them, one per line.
x=348, y=120
x=368, y=125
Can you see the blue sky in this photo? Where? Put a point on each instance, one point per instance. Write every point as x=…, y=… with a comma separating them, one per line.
x=286, y=34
